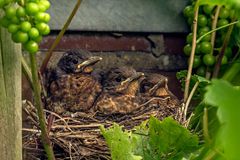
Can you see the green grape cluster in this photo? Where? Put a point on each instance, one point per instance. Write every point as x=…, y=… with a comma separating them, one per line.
x=27, y=21
x=205, y=54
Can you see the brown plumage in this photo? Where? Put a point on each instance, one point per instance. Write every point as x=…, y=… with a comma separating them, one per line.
x=72, y=86
x=155, y=93
x=121, y=86
x=155, y=85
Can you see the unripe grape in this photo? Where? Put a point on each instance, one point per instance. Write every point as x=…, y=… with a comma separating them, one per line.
x=47, y=18
x=188, y=11
x=196, y=61
x=209, y=60
x=189, y=38
x=206, y=47
x=15, y=20
x=198, y=49
x=33, y=33
x=20, y=12
x=10, y=12
x=202, y=20
x=4, y=22
x=187, y=49
x=25, y=26
x=224, y=13
x=42, y=27
x=31, y=46
x=46, y=30
x=222, y=22
x=208, y=9
x=39, y=16
x=32, y=8
x=22, y=37
x=45, y=3
x=13, y=28
x=38, y=39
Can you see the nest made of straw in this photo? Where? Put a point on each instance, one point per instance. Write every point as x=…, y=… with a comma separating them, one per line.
x=77, y=136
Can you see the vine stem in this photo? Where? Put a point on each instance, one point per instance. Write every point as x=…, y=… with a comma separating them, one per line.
x=38, y=103
x=205, y=126
x=221, y=54
x=60, y=35
x=190, y=66
x=27, y=71
x=189, y=100
x=214, y=25
x=227, y=25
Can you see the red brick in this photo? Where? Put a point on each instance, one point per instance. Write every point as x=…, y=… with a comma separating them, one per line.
x=99, y=43
x=174, y=43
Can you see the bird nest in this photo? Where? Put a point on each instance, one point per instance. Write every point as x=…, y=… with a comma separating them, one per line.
x=77, y=136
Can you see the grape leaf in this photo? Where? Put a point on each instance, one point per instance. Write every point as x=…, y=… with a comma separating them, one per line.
x=181, y=76
x=235, y=3
x=170, y=140
x=152, y=140
x=227, y=98
x=119, y=143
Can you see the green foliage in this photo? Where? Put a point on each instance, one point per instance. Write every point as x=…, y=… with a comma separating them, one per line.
x=152, y=140
x=227, y=99
x=235, y=3
x=119, y=143
x=181, y=76
x=169, y=140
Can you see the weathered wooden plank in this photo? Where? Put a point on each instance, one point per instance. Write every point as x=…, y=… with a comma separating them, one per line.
x=10, y=98
x=121, y=15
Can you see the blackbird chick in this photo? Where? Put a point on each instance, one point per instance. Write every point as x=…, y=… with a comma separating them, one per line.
x=155, y=93
x=121, y=86
x=155, y=85
x=72, y=86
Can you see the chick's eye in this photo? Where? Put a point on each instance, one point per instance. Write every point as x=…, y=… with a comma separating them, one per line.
x=146, y=87
x=74, y=61
x=118, y=79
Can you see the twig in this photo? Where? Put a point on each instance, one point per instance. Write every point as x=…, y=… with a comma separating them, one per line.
x=186, y=124
x=236, y=56
x=214, y=25
x=60, y=35
x=205, y=126
x=37, y=97
x=58, y=116
x=27, y=71
x=227, y=25
x=221, y=54
x=152, y=99
x=189, y=100
x=77, y=126
x=190, y=66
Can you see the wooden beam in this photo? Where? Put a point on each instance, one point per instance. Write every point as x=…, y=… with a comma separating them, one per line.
x=10, y=98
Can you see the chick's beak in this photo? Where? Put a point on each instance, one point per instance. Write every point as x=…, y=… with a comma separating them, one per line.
x=89, y=62
x=136, y=76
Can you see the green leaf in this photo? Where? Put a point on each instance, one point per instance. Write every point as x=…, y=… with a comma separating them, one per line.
x=227, y=98
x=213, y=2
x=181, y=76
x=202, y=79
x=120, y=143
x=170, y=140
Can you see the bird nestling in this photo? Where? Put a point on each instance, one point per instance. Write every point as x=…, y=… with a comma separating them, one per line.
x=155, y=85
x=155, y=93
x=121, y=86
x=72, y=87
